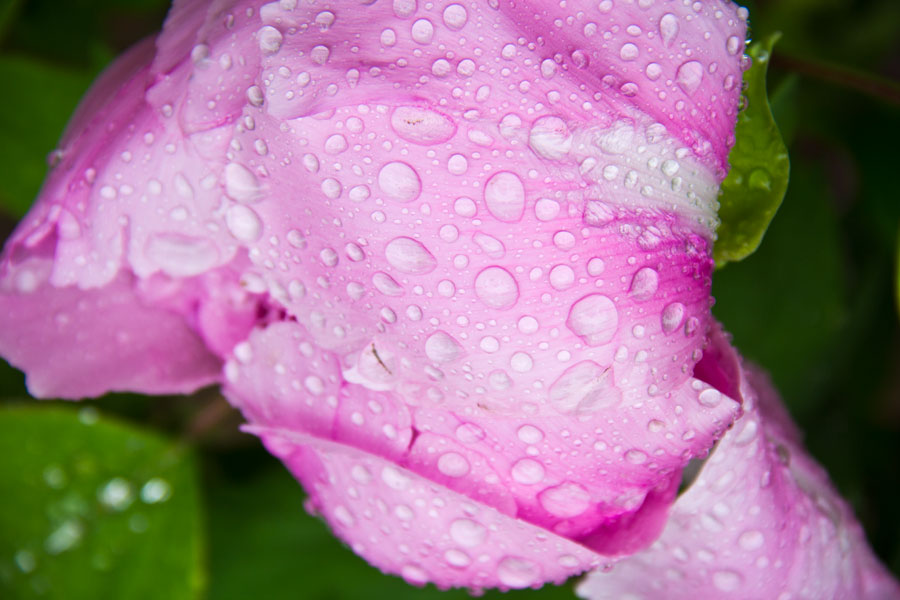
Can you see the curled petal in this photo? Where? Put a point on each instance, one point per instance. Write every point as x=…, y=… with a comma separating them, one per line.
x=760, y=521
x=75, y=344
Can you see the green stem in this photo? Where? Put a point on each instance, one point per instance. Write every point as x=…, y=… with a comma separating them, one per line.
x=867, y=83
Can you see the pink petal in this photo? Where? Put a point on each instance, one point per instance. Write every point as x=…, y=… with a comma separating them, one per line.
x=604, y=480
x=75, y=343
x=760, y=521
x=407, y=525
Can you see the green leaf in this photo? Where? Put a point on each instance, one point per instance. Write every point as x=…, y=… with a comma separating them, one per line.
x=38, y=101
x=788, y=315
x=95, y=509
x=756, y=184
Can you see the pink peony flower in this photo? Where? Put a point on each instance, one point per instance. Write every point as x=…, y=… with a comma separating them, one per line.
x=452, y=261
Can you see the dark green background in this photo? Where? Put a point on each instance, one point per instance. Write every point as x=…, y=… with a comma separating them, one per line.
x=815, y=305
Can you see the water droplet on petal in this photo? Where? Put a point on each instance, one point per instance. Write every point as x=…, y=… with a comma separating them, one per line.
x=672, y=317
x=527, y=471
x=668, y=28
x=550, y=138
x=751, y=540
x=530, y=434
x=441, y=347
x=504, y=195
x=422, y=126
x=455, y=16
x=243, y=223
x=566, y=500
x=453, y=464
x=422, y=31
x=594, y=319
x=726, y=580
x=240, y=183
x=517, y=573
x=644, y=284
x=689, y=76
x=468, y=533
x=584, y=388
x=399, y=181
x=409, y=256
x=496, y=288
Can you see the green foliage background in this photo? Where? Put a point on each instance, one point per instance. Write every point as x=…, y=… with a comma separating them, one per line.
x=815, y=305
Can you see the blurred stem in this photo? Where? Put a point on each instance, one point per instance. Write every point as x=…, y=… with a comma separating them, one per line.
x=207, y=420
x=870, y=84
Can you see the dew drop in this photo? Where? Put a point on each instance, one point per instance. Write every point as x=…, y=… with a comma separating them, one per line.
x=453, y=464
x=422, y=126
x=441, y=347
x=550, y=138
x=644, y=284
x=668, y=28
x=496, y=288
x=672, y=317
x=399, y=181
x=566, y=500
x=530, y=434
x=517, y=573
x=527, y=471
x=240, y=183
x=455, y=16
x=594, y=319
x=468, y=533
x=689, y=76
x=409, y=256
x=243, y=223
x=504, y=195
x=422, y=31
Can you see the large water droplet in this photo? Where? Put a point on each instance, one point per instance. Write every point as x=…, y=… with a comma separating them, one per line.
x=584, y=388
x=644, y=284
x=527, y=471
x=530, y=434
x=566, y=500
x=455, y=16
x=497, y=288
x=550, y=138
x=504, y=195
x=240, y=183
x=672, y=317
x=517, y=573
x=689, y=76
x=468, y=533
x=727, y=580
x=422, y=31
x=594, y=319
x=399, y=181
x=243, y=223
x=422, y=126
x=668, y=28
x=441, y=347
x=409, y=256
x=180, y=255
x=453, y=464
